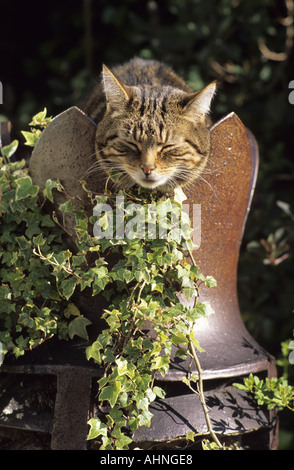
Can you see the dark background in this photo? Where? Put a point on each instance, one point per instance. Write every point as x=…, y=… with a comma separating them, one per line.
x=52, y=52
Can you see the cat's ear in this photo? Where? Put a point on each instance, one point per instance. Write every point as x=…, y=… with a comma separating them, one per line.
x=116, y=93
x=198, y=104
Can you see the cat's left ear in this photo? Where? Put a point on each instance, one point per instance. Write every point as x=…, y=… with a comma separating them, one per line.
x=116, y=93
x=198, y=104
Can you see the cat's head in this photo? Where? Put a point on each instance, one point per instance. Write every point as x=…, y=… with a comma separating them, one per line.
x=157, y=137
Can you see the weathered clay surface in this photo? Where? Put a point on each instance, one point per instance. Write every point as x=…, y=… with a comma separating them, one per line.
x=66, y=152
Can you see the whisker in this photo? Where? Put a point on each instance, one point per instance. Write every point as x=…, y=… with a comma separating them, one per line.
x=200, y=177
x=105, y=166
x=210, y=171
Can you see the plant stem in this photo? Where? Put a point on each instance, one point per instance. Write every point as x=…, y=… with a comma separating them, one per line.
x=201, y=394
x=199, y=370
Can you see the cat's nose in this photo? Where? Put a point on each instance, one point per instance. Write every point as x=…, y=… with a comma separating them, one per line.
x=147, y=168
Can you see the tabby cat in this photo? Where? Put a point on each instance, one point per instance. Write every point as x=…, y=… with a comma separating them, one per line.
x=151, y=127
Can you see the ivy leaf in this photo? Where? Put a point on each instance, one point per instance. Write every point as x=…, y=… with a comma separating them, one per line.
x=97, y=428
x=133, y=423
x=40, y=119
x=71, y=310
x=101, y=279
x=122, y=366
x=145, y=418
x=179, y=338
x=190, y=436
x=161, y=364
x=188, y=292
x=78, y=327
x=114, y=175
x=31, y=137
x=93, y=351
x=159, y=392
x=25, y=188
x=143, y=275
x=110, y=393
x=122, y=442
x=210, y=281
x=68, y=287
x=49, y=186
x=157, y=283
x=179, y=195
x=8, y=150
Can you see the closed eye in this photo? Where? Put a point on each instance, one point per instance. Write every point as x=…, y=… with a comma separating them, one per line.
x=167, y=151
x=126, y=148
x=132, y=146
x=167, y=146
x=174, y=151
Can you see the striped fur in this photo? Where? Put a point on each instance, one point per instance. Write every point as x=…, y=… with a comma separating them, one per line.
x=151, y=126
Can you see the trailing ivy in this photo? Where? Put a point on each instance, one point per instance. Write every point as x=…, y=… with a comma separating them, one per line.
x=151, y=270
x=33, y=307
x=144, y=288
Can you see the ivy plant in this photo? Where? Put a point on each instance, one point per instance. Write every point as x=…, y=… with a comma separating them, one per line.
x=153, y=269
x=143, y=286
x=150, y=276
x=33, y=308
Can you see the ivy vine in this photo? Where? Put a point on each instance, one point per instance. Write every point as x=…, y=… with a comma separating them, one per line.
x=145, y=317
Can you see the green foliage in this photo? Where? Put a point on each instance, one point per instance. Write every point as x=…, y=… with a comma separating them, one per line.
x=143, y=286
x=149, y=276
x=207, y=445
x=274, y=392
x=32, y=307
x=29, y=307
x=38, y=123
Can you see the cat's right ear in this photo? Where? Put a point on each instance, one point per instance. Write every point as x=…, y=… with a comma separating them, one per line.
x=116, y=94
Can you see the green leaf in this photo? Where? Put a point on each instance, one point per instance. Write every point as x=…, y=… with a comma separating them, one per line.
x=207, y=445
x=25, y=188
x=40, y=119
x=145, y=418
x=114, y=175
x=150, y=395
x=122, y=366
x=67, y=206
x=31, y=137
x=78, y=327
x=49, y=186
x=94, y=351
x=188, y=292
x=179, y=338
x=161, y=364
x=68, y=287
x=159, y=392
x=97, y=428
x=122, y=443
x=210, y=281
x=190, y=436
x=110, y=393
x=71, y=310
x=179, y=195
x=133, y=423
x=8, y=150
